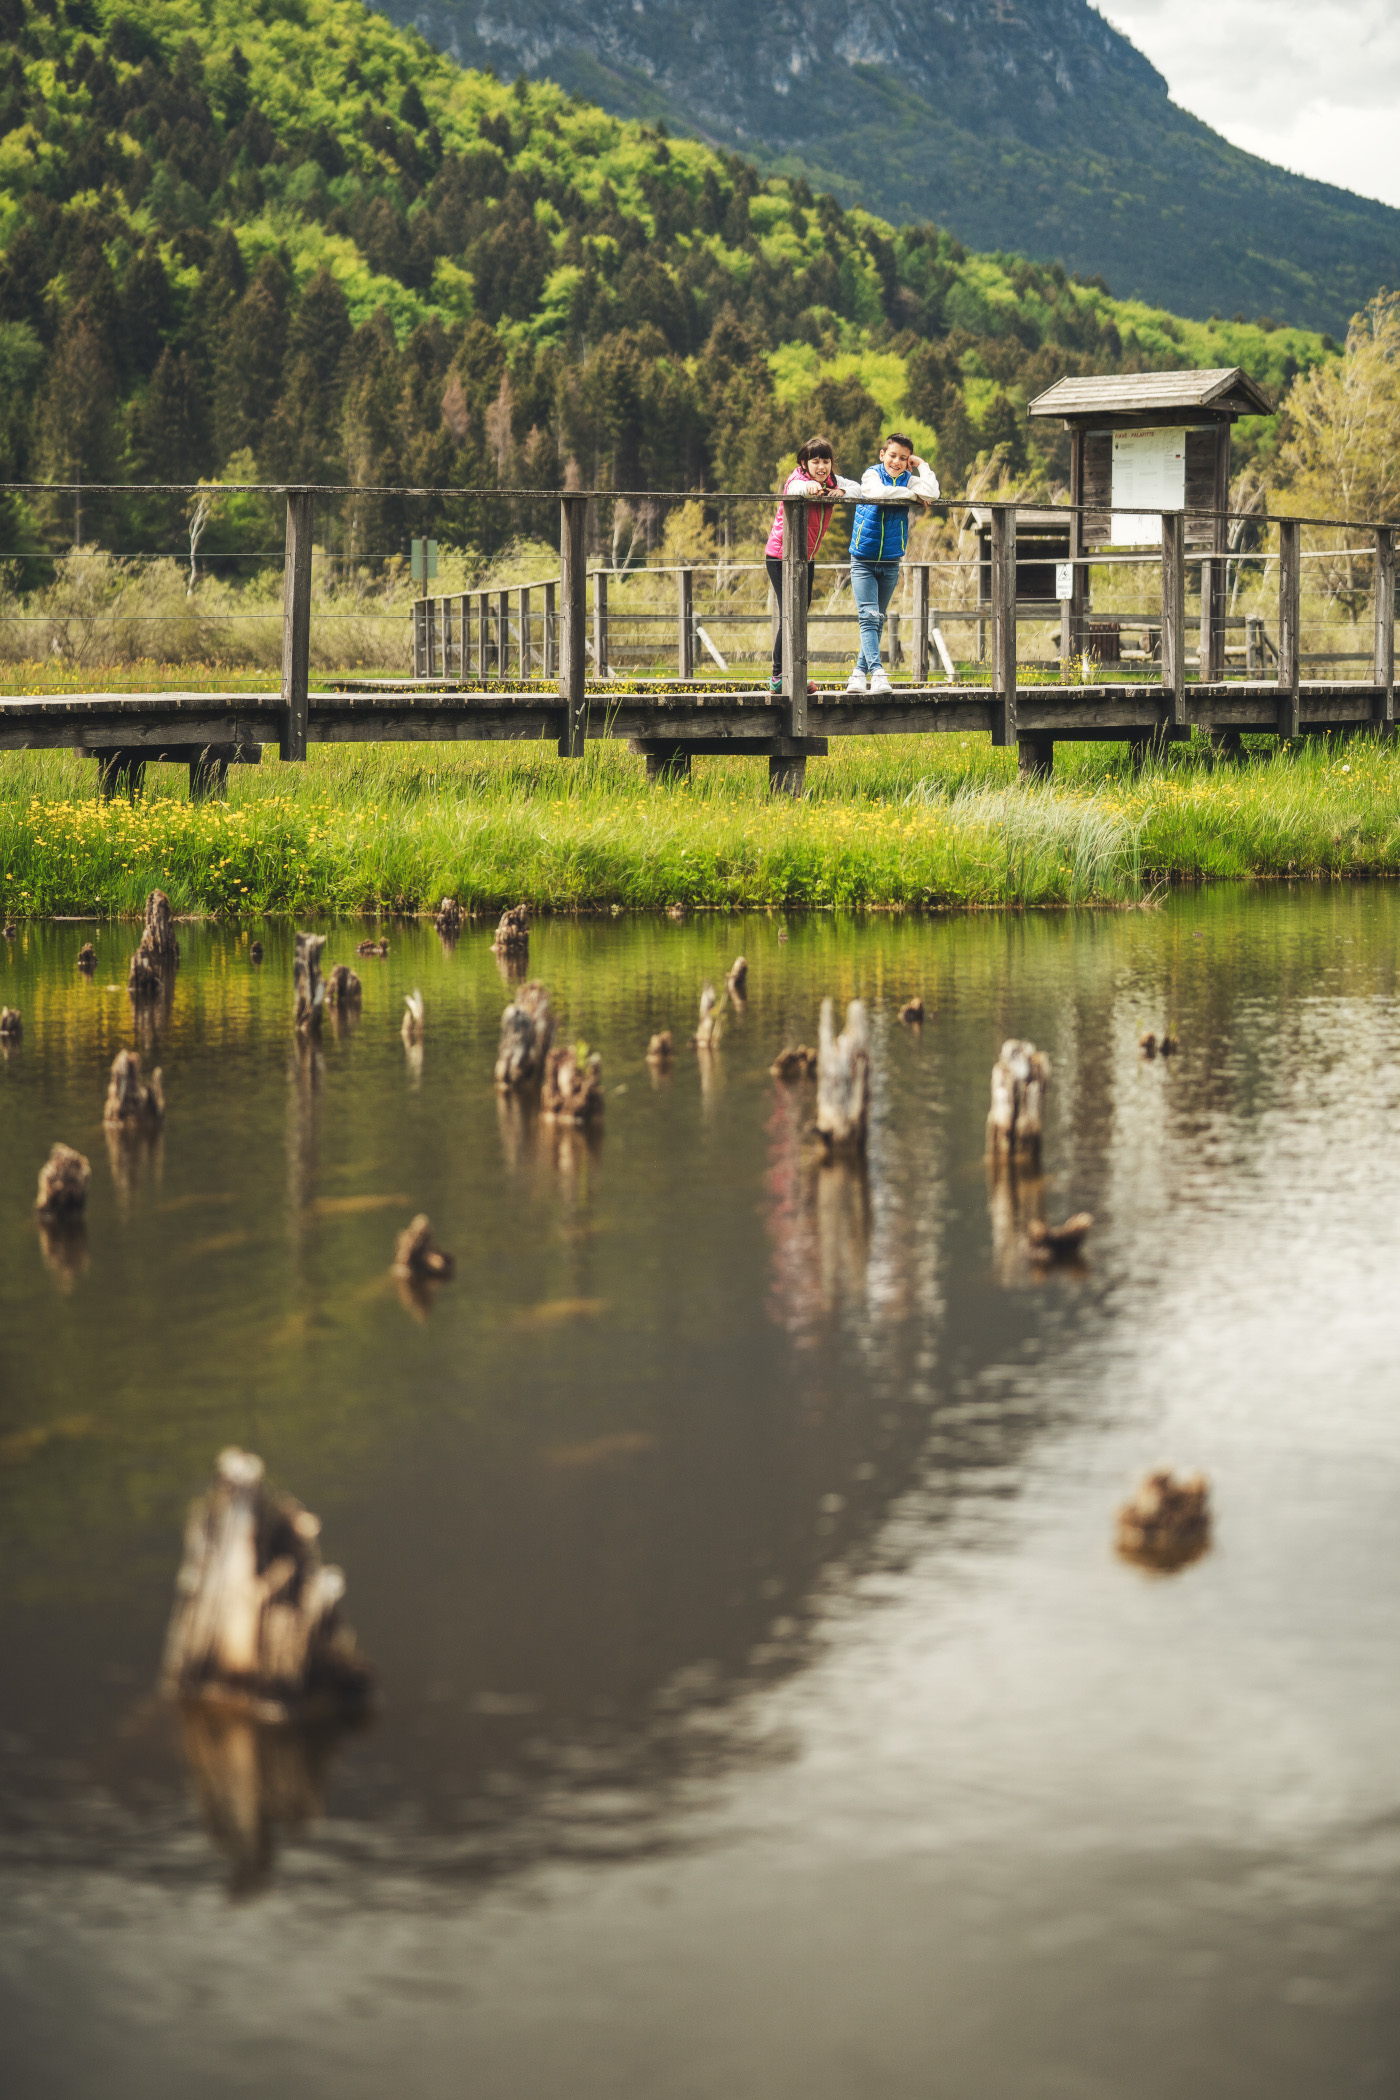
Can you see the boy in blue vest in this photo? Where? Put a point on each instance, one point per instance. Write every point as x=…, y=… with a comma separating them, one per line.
x=878, y=541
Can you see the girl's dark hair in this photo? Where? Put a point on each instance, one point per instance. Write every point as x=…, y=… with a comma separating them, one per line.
x=815, y=448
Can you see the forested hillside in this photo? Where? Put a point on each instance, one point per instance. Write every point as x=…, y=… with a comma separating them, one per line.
x=1031, y=125
x=294, y=243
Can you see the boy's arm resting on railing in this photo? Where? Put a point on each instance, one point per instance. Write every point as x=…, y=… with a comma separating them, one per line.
x=922, y=484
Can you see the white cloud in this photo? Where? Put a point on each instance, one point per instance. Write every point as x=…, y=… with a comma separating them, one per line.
x=1313, y=85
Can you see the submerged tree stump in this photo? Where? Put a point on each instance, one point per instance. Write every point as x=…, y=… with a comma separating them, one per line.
x=1016, y=1121
x=63, y=1184
x=130, y=1104
x=411, y=1027
x=573, y=1085
x=415, y=1256
x=912, y=1012
x=343, y=989
x=527, y=1032
x=255, y=951
x=1167, y=1522
x=307, y=983
x=1063, y=1243
x=11, y=1026
x=11, y=930
x=448, y=918
x=843, y=1079
x=711, y=1026
x=379, y=948
x=660, y=1049
x=256, y=1621
x=737, y=981
x=796, y=1063
x=513, y=932
x=158, y=934
x=87, y=958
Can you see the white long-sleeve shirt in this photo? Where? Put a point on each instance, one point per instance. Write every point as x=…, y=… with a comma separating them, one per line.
x=923, y=482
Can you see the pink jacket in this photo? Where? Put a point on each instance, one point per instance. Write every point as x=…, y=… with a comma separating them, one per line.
x=818, y=514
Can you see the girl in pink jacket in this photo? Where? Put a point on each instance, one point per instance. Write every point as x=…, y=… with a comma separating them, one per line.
x=814, y=476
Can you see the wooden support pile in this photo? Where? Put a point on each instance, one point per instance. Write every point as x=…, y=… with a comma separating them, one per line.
x=344, y=991
x=1016, y=1122
x=527, y=1032
x=513, y=932
x=157, y=957
x=843, y=1079
x=256, y=1622
x=1167, y=1522
x=306, y=981
x=573, y=1086
x=63, y=1184
x=711, y=1025
x=132, y=1105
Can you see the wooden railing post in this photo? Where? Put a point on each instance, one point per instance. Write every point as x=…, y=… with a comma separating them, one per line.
x=600, y=623
x=483, y=637
x=1174, y=616
x=524, y=631
x=550, y=653
x=685, y=623
x=1003, y=609
x=795, y=614
x=296, y=624
x=503, y=634
x=462, y=604
x=1385, y=628
x=920, y=573
x=1290, y=591
x=573, y=589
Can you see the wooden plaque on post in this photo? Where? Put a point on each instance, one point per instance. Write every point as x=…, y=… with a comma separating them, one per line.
x=795, y=614
x=573, y=592
x=1003, y=608
x=296, y=624
x=1174, y=616
x=1290, y=572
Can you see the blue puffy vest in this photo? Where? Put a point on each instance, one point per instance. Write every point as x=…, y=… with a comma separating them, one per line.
x=880, y=534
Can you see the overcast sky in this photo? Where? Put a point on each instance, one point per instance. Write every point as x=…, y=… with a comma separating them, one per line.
x=1311, y=84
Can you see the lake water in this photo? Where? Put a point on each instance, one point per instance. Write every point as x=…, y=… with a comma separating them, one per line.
x=763, y=1711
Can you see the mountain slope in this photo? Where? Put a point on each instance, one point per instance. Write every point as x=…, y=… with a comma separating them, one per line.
x=290, y=239
x=1026, y=125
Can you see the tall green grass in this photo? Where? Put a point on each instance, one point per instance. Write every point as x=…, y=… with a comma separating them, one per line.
x=897, y=822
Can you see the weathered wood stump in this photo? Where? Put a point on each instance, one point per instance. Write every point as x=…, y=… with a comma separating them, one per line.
x=11, y=1026
x=843, y=1079
x=660, y=1049
x=11, y=930
x=573, y=1086
x=87, y=958
x=411, y=1027
x=912, y=1012
x=448, y=918
x=1167, y=1522
x=132, y=1105
x=527, y=1032
x=711, y=1025
x=512, y=935
x=344, y=991
x=736, y=982
x=1016, y=1121
x=797, y=1063
x=307, y=982
x=255, y=951
x=256, y=1621
x=1164, y=1045
x=1049, y=1243
x=379, y=948
x=417, y=1259
x=63, y=1184
x=158, y=934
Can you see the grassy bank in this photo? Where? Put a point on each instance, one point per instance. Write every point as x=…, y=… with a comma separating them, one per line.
x=904, y=822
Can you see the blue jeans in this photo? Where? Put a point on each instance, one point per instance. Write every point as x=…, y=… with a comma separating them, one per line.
x=872, y=587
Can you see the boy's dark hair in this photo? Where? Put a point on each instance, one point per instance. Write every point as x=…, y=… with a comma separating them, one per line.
x=897, y=437
x=814, y=448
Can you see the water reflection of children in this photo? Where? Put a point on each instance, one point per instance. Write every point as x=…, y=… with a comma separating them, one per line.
x=814, y=475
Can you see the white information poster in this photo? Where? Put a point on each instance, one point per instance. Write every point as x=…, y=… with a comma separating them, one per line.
x=1064, y=579
x=1149, y=475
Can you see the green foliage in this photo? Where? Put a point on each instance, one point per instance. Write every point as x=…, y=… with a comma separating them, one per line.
x=301, y=239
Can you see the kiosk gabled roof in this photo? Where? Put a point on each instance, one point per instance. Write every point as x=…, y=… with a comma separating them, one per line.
x=1224, y=391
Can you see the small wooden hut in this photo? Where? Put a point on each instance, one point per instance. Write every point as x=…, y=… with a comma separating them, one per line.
x=1139, y=440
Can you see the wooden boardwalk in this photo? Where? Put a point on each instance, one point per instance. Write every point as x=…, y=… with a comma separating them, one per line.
x=669, y=722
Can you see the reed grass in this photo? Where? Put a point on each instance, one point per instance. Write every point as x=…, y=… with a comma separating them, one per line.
x=914, y=823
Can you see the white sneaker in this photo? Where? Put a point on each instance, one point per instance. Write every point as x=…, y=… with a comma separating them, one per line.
x=856, y=682
x=879, y=681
